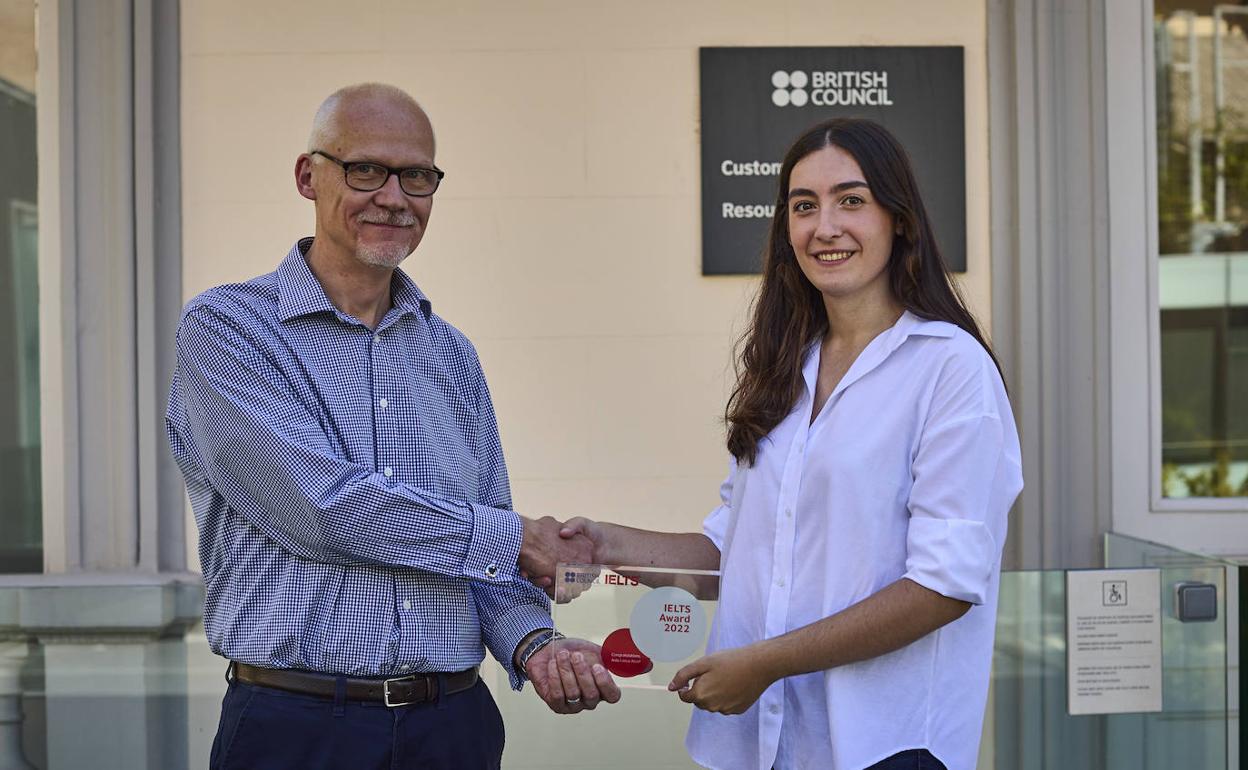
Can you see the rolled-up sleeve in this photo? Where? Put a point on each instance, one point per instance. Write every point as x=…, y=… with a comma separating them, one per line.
x=717, y=523
x=966, y=474
x=957, y=525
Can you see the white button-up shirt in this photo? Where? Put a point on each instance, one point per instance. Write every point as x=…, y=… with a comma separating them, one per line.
x=908, y=471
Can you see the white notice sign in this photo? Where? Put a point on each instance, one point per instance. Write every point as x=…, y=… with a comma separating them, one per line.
x=1113, y=641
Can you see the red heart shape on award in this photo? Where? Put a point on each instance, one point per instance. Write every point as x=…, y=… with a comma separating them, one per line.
x=621, y=656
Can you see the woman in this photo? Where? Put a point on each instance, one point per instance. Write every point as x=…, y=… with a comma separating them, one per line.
x=874, y=461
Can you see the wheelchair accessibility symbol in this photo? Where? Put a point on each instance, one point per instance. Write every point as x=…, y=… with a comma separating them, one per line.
x=1114, y=593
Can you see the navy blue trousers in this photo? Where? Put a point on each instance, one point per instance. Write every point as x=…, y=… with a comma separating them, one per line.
x=266, y=729
x=914, y=759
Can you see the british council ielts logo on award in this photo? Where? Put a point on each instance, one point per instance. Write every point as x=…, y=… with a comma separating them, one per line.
x=790, y=88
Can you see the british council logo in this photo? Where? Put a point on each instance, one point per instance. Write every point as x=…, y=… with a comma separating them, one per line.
x=790, y=88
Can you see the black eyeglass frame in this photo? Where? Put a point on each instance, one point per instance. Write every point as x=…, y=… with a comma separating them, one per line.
x=390, y=171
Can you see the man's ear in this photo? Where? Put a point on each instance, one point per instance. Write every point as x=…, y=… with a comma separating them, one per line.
x=303, y=176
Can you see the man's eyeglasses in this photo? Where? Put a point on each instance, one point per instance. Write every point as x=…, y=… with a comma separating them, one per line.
x=367, y=176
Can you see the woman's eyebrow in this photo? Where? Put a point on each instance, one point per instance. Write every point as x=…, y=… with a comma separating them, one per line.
x=849, y=185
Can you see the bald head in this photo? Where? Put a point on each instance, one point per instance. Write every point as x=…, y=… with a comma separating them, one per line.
x=351, y=108
x=368, y=125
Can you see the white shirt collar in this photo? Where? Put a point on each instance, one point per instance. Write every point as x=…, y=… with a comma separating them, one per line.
x=878, y=350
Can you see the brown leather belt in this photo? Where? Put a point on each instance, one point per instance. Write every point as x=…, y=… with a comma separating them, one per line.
x=396, y=691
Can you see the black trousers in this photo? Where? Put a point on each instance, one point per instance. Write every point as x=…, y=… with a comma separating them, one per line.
x=267, y=729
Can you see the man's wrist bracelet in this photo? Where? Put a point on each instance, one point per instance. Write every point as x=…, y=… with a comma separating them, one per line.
x=537, y=643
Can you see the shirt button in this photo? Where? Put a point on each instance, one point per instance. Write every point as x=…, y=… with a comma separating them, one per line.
x=491, y=570
x=407, y=604
x=388, y=471
x=780, y=582
x=788, y=512
x=774, y=708
x=384, y=403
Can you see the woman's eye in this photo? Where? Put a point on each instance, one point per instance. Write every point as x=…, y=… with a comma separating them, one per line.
x=801, y=206
x=853, y=200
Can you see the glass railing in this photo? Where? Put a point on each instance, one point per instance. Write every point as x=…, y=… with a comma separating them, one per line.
x=137, y=703
x=1029, y=727
x=1193, y=728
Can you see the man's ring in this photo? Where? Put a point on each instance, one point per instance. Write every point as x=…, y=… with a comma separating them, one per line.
x=577, y=699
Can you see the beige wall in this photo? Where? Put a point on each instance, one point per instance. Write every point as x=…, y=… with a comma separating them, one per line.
x=17, y=43
x=565, y=240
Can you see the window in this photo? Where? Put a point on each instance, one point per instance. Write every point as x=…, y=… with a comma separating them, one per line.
x=20, y=498
x=1201, y=55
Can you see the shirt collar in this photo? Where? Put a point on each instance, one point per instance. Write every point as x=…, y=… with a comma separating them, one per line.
x=879, y=349
x=911, y=325
x=300, y=293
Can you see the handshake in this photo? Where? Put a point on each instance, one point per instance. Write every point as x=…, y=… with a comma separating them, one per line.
x=727, y=681
x=548, y=542
x=567, y=674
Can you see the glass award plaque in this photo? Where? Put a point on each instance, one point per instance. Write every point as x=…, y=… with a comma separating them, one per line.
x=650, y=621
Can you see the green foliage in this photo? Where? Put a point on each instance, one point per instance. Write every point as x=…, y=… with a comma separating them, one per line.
x=1210, y=482
x=1174, y=214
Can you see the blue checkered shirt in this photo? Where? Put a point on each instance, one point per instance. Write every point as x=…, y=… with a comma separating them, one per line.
x=348, y=483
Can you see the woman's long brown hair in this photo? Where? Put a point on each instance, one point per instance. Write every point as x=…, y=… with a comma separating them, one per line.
x=789, y=314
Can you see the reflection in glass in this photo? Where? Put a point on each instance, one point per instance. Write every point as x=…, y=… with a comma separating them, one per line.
x=20, y=498
x=1202, y=155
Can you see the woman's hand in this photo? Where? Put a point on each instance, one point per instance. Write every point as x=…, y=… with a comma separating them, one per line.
x=591, y=529
x=728, y=681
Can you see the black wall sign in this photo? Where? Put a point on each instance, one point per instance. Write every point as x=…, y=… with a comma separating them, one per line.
x=756, y=101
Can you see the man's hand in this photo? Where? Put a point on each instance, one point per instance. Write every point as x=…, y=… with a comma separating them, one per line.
x=543, y=548
x=727, y=682
x=568, y=674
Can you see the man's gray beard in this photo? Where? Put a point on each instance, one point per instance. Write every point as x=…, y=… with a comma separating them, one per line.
x=382, y=256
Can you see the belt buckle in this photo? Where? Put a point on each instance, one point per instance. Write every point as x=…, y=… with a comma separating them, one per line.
x=385, y=691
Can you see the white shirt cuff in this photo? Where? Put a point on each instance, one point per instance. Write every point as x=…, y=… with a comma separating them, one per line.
x=953, y=557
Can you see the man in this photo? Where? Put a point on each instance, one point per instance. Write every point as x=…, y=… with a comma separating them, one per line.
x=344, y=466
